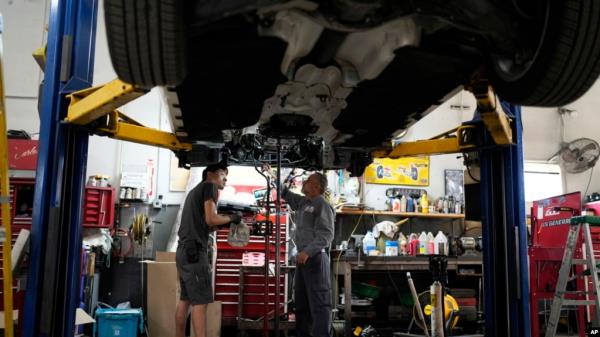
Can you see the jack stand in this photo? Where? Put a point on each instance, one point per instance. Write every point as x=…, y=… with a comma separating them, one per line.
x=268, y=224
x=258, y=230
x=268, y=231
x=438, y=266
x=277, y=238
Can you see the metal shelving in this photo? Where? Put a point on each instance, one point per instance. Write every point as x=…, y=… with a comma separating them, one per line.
x=405, y=214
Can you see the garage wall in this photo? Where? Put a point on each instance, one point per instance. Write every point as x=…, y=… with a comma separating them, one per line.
x=24, y=23
x=541, y=135
x=449, y=115
x=24, y=31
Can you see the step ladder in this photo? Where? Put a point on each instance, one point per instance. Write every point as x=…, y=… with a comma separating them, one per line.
x=564, y=276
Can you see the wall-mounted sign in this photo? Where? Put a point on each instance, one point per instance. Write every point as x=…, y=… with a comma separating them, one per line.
x=22, y=154
x=412, y=171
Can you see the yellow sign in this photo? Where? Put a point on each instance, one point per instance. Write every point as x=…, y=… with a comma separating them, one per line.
x=413, y=171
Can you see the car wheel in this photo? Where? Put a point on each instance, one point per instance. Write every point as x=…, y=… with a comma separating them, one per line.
x=566, y=61
x=146, y=41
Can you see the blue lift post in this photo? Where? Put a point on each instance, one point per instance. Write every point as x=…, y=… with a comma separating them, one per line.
x=506, y=281
x=53, y=280
x=54, y=269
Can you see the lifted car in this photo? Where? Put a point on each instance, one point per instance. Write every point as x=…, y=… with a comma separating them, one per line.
x=329, y=81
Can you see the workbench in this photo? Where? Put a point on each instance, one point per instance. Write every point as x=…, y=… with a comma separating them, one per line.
x=345, y=265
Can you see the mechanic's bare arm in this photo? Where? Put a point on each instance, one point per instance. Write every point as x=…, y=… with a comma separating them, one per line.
x=212, y=218
x=291, y=198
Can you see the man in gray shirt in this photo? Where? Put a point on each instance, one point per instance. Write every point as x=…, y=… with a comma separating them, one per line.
x=314, y=219
x=198, y=219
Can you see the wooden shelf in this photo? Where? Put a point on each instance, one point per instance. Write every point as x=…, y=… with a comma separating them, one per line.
x=405, y=215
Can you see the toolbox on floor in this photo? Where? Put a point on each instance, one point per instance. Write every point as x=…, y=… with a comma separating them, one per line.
x=118, y=322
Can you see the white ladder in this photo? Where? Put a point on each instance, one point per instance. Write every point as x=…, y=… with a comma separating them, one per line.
x=564, y=276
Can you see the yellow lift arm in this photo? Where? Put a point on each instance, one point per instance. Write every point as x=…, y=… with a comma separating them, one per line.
x=460, y=139
x=463, y=138
x=493, y=116
x=95, y=108
x=88, y=106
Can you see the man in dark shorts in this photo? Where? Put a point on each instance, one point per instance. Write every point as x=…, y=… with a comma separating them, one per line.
x=198, y=219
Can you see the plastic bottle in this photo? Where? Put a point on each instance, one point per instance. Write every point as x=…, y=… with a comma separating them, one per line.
x=389, y=203
x=403, y=204
x=445, y=206
x=424, y=203
x=368, y=243
x=413, y=244
x=430, y=244
x=410, y=205
x=402, y=244
x=441, y=244
x=458, y=207
x=423, y=244
x=395, y=205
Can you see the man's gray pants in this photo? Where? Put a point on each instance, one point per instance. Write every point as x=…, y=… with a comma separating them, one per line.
x=313, y=297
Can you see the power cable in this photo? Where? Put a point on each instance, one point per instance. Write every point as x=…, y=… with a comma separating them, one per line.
x=589, y=181
x=470, y=175
x=389, y=274
x=337, y=262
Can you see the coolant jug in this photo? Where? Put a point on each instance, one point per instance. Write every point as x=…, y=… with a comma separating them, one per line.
x=368, y=243
x=441, y=244
x=422, y=244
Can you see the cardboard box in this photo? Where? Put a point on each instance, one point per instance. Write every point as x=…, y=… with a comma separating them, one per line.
x=163, y=296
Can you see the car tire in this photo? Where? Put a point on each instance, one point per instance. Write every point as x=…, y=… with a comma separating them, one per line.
x=146, y=41
x=567, y=61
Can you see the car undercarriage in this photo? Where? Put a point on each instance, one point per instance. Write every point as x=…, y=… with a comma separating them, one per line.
x=335, y=80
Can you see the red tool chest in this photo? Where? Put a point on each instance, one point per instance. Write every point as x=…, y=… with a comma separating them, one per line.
x=227, y=276
x=21, y=202
x=549, y=231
